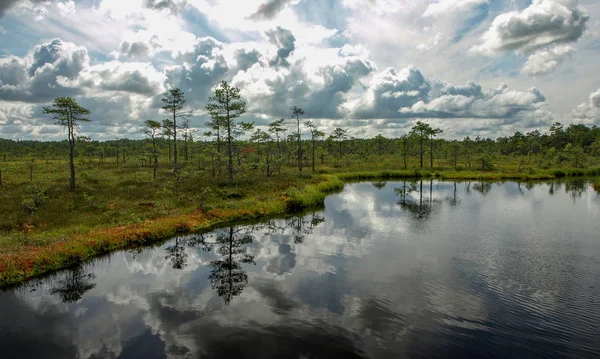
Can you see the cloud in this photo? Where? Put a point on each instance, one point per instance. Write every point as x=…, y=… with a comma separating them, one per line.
x=133, y=77
x=589, y=111
x=37, y=7
x=245, y=58
x=67, y=7
x=543, y=23
x=134, y=50
x=408, y=94
x=318, y=85
x=546, y=60
x=543, y=30
x=445, y=7
x=203, y=66
x=381, y=6
x=391, y=90
x=34, y=78
x=432, y=43
x=64, y=58
x=6, y=5
x=285, y=41
x=271, y=8
x=119, y=94
x=172, y=6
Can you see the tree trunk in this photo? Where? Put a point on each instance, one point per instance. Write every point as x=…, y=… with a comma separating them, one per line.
x=169, y=143
x=212, y=163
x=431, y=152
x=229, y=147
x=299, y=147
x=174, y=141
x=404, y=154
x=268, y=155
x=219, y=150
x=185, y=147
x=421, y=154
x=313, y=155
x=71, y=155
x=155, y=165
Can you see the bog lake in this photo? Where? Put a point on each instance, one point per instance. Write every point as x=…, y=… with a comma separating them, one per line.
x=386, y=269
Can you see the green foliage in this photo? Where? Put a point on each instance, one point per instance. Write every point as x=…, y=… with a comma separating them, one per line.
x=34, y=195
x=224, y=107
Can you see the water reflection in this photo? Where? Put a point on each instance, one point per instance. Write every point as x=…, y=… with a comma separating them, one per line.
x=74, y=284
x=380, y=184
x=227, y=275
x=399, y=269
x=302, y=226
x=576, y=189
x=483, y=187
x=418, y=207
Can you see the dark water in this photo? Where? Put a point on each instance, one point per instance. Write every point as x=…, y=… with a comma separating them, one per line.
x=387, y=270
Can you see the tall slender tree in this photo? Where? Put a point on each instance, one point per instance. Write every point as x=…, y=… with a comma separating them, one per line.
x=167, y=131
x=421, y=131
x=277, y=129
x=433, y=132
x=215, y=125
x=557, y=131
x=340, y=135
x=151, y=130
x=226, y=106
x=315, y=135
x=174, y=104
x=296, y=112
x=404, y=140
x=67, y=112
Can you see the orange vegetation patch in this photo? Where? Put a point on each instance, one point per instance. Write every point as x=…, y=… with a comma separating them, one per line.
x=29, y=261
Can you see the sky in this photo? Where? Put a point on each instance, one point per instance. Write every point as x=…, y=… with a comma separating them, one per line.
x=470, y=67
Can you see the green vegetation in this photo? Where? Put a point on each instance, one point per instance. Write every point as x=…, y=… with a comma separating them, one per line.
x=134, y=192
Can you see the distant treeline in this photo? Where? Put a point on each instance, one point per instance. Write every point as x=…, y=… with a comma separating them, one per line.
x=575, y=145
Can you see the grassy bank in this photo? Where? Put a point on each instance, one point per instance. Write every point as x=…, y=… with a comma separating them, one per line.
x=107, y=214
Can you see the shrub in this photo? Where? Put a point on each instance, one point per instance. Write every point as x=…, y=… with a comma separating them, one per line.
x=559, y=173
x=33, y=197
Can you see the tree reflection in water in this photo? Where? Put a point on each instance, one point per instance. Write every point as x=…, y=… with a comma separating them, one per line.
x=418, y=208
x=301, y=226
x=575, y=189
x=176, y=253
x=227, y=275
x=453, y=201
x=423, y=207
x=483, y=187
x=74, y=284
x=379, y=184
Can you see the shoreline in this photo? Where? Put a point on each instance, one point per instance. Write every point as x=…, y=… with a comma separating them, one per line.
x=34, y=261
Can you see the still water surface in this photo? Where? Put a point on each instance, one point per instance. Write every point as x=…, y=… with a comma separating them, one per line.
x=386, y=270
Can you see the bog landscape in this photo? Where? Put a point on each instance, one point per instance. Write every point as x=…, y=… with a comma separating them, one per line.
x=260, y=188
